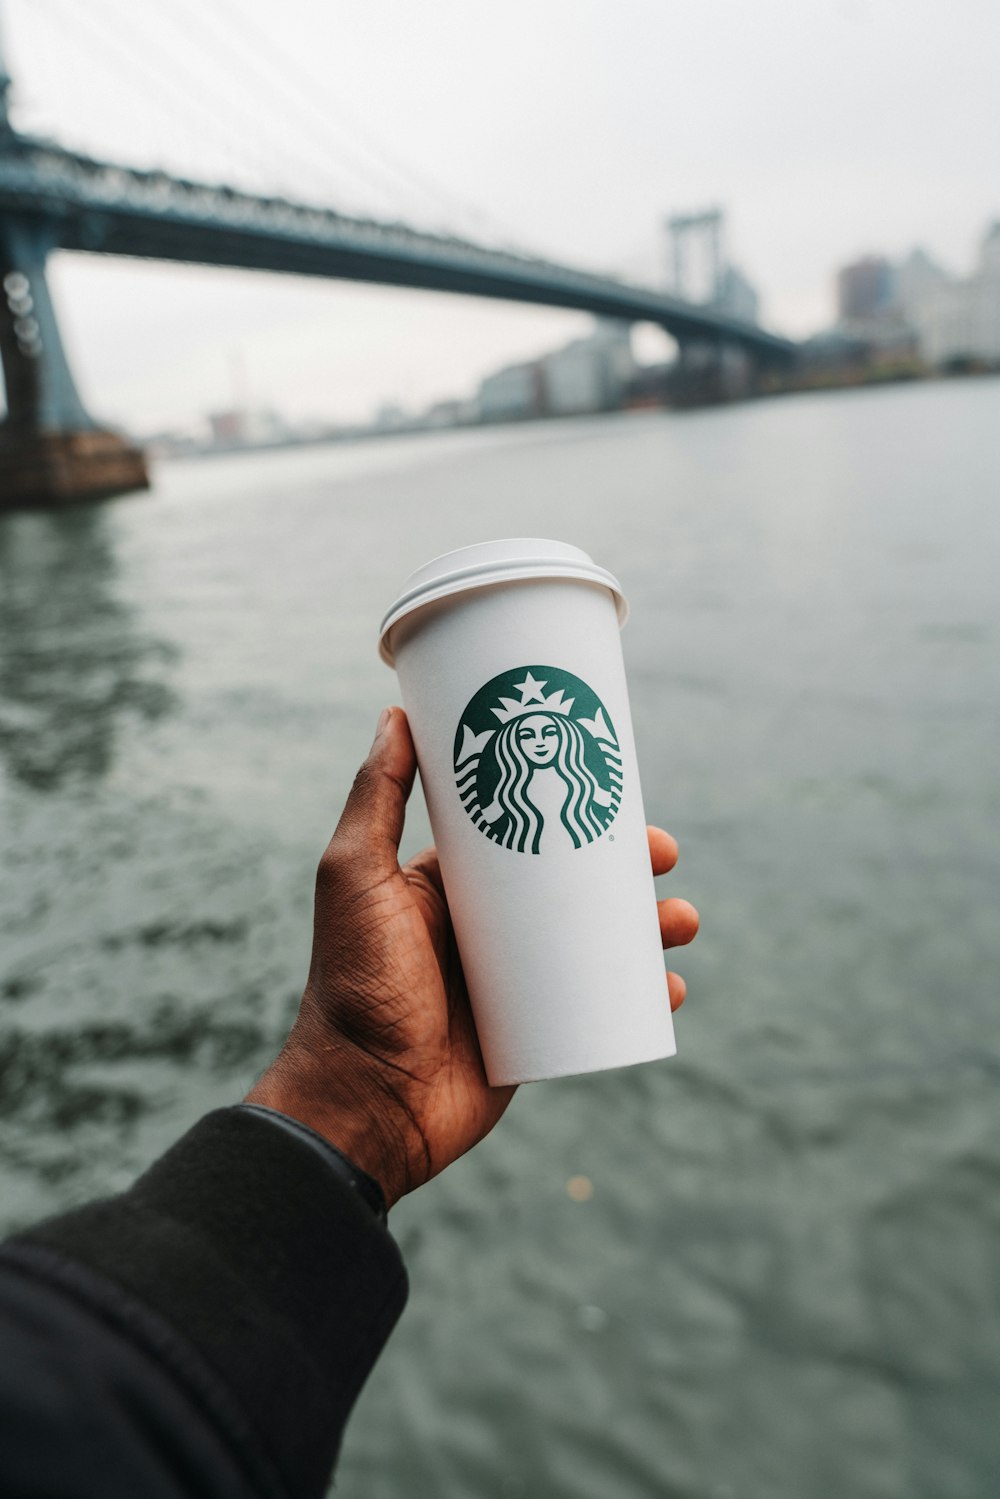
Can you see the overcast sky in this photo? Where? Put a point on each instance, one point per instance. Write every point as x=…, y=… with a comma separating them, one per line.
x=827, y=128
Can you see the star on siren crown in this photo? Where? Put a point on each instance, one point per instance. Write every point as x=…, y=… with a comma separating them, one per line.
x=533, y=700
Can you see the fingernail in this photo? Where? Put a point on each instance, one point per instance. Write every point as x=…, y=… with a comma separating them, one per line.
x=383, y=721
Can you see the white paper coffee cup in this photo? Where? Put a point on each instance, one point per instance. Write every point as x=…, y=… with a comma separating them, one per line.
x=510, y=665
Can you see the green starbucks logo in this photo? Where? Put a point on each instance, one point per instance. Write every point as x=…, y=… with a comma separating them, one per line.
x=537, y=762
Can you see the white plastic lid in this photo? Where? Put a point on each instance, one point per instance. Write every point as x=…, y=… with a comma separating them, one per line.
x=508, y=561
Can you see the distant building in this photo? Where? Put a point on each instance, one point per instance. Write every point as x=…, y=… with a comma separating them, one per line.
x=589, y=374
x=989, y=251
x=247, y=428
x=178, y=442
x=832, y=351
x=574, y=379
x=615, y=341
x=227, y=427
x=390, y=417
x=916, y=311
x=915, y=278
x=445, y=414
x=865, y=290
x=736, y=296
x=511, y=394
x=958, y=321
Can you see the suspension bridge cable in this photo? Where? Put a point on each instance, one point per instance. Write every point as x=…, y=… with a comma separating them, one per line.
x=290, y=71
x=292, y=66
x=73, y=18
x=114, y=40
x=27, y=95
x=256, y=154
x=111, y=33
x=298, y=86
x=301, y=87
x=221, y=52
x=307, y=113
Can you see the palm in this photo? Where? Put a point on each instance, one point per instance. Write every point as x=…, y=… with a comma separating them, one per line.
x=386, y=996
x=451, y=1093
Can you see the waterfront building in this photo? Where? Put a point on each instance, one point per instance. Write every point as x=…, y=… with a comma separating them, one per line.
x=958, y=321
x=589, y=374
x=390, y=417
x=916, y=277
x=865, y=290
x=737, y=296
x=442, y=414
x=246, y=427
x=574, y=379
x=511, y=394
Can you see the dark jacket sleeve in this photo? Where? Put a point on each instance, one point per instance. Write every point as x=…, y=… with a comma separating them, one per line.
x=204, y=1333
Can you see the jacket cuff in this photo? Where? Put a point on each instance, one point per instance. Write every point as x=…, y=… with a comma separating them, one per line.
x=269, y=1264
x=358, y=1180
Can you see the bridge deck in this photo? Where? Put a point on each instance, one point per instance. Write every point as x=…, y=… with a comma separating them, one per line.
x=114, y=210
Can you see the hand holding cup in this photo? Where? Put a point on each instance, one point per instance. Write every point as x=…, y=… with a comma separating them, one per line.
x=383, y=1059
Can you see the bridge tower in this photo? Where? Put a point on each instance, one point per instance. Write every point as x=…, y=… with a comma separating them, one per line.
x=52, y=452
x=704, y=231
x=709, y=369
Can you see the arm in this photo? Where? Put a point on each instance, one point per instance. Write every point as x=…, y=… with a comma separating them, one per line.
x=206, y=1331
x=209, y=1329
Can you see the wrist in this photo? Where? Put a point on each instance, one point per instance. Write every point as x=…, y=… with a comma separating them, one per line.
x=342, y=1103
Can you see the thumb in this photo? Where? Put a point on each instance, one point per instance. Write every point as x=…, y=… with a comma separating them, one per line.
x=371, y=823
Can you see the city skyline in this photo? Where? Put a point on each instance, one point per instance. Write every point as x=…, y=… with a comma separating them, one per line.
x=581, y=160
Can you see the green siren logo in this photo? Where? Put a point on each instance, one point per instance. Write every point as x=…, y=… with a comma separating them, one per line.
x=537, y=762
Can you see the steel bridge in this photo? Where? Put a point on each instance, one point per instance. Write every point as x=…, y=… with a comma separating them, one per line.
x=82, y=204
x=52, y=198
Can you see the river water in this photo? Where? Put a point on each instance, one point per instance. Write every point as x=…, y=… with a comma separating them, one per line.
x=784, y=1283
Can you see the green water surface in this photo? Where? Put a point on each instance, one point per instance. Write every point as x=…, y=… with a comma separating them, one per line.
x=784, y=1283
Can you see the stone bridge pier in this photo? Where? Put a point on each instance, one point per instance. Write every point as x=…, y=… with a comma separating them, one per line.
x=52, y=452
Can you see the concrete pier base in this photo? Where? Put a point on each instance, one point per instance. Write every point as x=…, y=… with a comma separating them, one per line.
x=45, y=470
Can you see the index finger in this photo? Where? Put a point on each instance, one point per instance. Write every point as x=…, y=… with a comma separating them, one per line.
x=662, y=850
